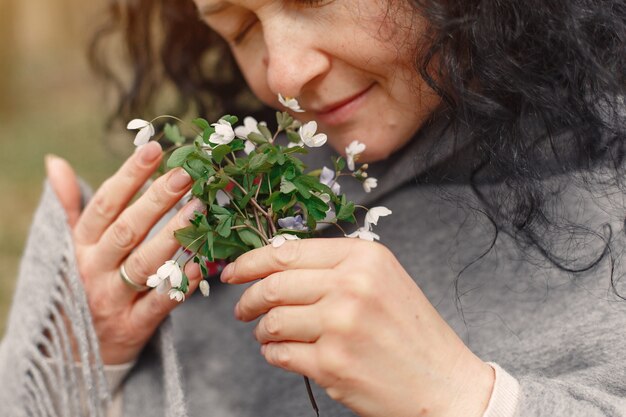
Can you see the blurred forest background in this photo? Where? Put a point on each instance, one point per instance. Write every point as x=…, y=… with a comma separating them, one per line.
x=49, y=103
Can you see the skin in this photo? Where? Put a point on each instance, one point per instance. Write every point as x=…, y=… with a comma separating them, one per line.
x=376, y=345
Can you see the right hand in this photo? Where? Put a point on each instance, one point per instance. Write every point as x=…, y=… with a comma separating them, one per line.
x=109, y=232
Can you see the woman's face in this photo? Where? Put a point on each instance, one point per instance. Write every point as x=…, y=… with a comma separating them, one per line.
x=348, y=62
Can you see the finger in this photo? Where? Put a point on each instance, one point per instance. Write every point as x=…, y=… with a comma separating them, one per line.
x=289, y=324
x=150, y=255
x=294, y=287
x=116, y=192
x=292, y=356
x=300, y=254
x=131, y=227
x=65, y=185
x=151, y=309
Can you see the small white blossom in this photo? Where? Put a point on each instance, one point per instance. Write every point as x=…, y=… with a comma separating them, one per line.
x=250, y=125
x=278, y=240
x=168, y=272
x=327, y=177
x=224, y=133
x=146, y=131
x=294, y=144
x=369, y=184
x=308, y=136
x=204, y=287
x=222, y=198
x=291, y=103
x=177, y=295
x=365, y=234
x=249, y=147
x=352, y=153
x=373, y=214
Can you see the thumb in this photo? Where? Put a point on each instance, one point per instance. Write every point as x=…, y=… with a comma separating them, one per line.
x=64, y=183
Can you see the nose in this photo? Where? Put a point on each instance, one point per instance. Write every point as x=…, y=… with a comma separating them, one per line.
x=294, y=57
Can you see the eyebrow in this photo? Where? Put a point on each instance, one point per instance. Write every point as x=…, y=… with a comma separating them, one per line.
x=209, y=9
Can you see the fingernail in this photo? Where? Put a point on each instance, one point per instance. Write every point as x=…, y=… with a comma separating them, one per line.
x=191, y=207
x=49, y=161
x=263, y=347
x=178, y=180
x=237, y=315
x=149, y=152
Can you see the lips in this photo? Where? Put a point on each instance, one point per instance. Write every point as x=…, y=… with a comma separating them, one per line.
x=340, y=111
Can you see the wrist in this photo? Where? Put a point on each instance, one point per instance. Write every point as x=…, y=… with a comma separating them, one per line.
x=474, y=382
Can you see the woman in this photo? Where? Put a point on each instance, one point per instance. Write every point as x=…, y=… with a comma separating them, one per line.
x=499, y=153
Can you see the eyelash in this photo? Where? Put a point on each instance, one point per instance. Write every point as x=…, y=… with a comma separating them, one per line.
x=244, y=31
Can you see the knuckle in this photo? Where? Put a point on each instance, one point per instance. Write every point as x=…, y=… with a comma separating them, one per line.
x=271, y=290
x=158, y=195
x=281, y=355
x=345, y=318
x=287, y=254
x=102, y=204
x=272, y=323
x=138, y=267
x=122, y=234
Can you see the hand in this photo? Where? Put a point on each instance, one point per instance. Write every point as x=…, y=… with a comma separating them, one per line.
x=346, y=314
x=110, y=232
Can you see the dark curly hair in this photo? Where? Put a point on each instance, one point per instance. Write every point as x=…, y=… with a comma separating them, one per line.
x=523, y=82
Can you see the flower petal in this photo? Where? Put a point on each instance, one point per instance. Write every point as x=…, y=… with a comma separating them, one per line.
x=144, y=135
x=204, y=287
x=137, y=124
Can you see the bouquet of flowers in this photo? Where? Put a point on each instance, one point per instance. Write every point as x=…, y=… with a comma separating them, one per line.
x=255, y=190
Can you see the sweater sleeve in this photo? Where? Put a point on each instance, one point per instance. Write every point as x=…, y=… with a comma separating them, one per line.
x=505, y=395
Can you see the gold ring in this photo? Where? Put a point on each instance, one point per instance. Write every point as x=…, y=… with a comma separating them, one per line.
x=132, y=284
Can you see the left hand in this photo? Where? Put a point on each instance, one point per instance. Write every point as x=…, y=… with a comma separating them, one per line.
x=345, y=313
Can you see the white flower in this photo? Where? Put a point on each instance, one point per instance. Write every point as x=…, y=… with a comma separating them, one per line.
x=278, y=240
x=291, y=103
x=204, y=287
x=308, y=136
x=365, y=234
x=250, y=125
x=169, y=270
x=370, y=183
x=294, y=144
x=177, y=295
x=249, y=147
x=146, y=131
x=222, y=198
x=352, y=152
x=373, y=214
x=327, y=178
x=224, y=133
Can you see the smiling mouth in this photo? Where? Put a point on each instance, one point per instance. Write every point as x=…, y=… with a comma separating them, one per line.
x=340, y=111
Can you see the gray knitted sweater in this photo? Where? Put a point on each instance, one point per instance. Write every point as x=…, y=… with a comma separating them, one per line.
x=560, y=334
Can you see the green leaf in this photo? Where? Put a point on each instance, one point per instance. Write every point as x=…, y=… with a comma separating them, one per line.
x=179, y=156
x=219, y=152
x=172, y=133
x=340, y=164
x=246, y=199
x=264, y=131
x=220, y=211
x=230, y=119
x=201, y=123
x=250, y=238
x=257, y=161
x=190, y=238
x=346, y=211
x=293, y=137
x=256, y=138
x=224, y=225
x=287, y=186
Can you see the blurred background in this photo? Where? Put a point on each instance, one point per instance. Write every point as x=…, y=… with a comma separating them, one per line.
x=49, y=103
